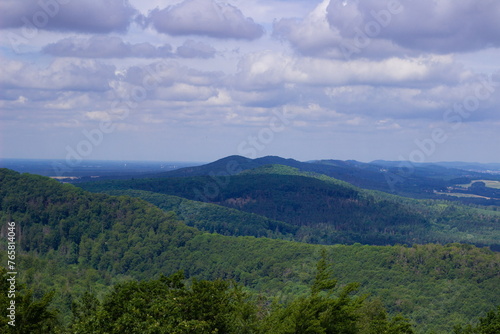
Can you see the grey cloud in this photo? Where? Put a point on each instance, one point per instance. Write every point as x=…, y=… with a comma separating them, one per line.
x=205, y=17
x=91, y=16
x=192, y=49
x=105, y=47
x=386, y=28
x=425, y=25
x=166, y=73
x=265, y=98
x=32, y=94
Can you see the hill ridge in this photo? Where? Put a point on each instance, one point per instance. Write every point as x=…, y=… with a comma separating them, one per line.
x=327, y=210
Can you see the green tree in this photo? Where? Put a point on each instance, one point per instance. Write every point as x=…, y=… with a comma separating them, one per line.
x=489, y=324
x=167, y=305
x=328, y=311
x=32, y=315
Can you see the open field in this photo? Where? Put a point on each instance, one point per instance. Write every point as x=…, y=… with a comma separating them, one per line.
x=489, y=184
x=462, y=195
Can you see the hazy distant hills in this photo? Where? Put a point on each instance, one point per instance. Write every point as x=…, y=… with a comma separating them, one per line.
x=441, y=180
x=468, y=166
x=427, y=180
x=450, y=181
x=87, y=169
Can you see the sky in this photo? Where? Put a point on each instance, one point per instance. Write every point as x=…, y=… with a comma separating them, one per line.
x=198, y=80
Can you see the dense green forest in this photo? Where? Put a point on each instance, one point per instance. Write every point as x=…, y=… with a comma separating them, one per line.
x=322, y=209
x=74, y=245
x=169, y=305
x=214, y=218
x=414, y=180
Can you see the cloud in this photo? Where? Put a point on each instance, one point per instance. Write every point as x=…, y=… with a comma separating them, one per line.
x=315, y=36
x=311, y=35
x=192, y=49
x=61, y=74
x=89, y=16
x=98, y=116
x=185, y=92
x=207, y=18
x=420, y=88
x=114, y=47
x=105, y=47
x=169, y=72
x=268, y=69
x=426, y=26
x=352, y=29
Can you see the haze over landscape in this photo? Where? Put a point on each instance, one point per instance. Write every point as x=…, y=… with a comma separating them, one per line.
x=197, y=80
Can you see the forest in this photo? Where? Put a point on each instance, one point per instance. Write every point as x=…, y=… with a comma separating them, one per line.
x=89, y=259
x=317, y=208
x=414, y=180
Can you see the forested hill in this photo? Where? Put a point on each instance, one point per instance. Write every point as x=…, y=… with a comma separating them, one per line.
x=71, y=241
x=323, y=210
x=419, y=180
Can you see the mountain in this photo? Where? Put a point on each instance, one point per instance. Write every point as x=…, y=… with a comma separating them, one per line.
x=323, y=209
x=230, y=165
x=71, y=241
x=413, y=180
x=442, y=180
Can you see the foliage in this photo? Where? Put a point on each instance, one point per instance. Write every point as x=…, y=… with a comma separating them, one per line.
x=72, y=242
x=315, y=208
x=214, y=218
x=30, y=315
x=168, y=305
x=489, y=324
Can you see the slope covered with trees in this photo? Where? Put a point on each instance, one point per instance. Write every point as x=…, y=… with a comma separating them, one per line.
x=214, y=218
x=414, y=180
x=168, y=305
x=71, y=241
x=325, y=210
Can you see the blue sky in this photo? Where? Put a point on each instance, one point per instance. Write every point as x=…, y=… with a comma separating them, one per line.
x=197, y=80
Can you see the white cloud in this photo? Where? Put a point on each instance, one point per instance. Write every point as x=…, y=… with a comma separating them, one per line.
x=311, y=35
x=266, y=69
x=207, y=18
x=387, y=124
x=98, y=116
x=61, y=74
x=185, y=92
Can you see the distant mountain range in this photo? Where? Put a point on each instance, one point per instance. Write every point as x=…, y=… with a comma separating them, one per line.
x=427, y=180
x=441, y=180
x=470, y=166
